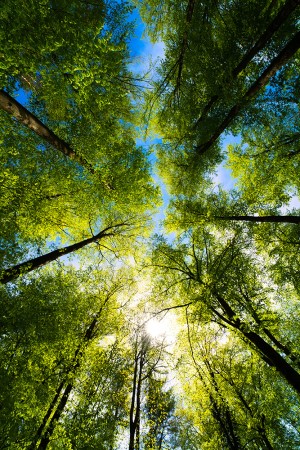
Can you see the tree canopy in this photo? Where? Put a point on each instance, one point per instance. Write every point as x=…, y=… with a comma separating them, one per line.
x=82, y=273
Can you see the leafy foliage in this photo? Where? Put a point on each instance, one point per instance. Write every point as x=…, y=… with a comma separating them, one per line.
x=77, y=368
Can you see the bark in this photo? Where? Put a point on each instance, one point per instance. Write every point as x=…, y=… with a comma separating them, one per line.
x=271, y=356
x=45, y=431
x=13, y=107
x=32, y=264
x=184, y=44
x=46, y=417
x=282, y=15
x=288, y=51
x=281, y=346
x=226, y=421
x=269, y=219
x=132, y=424
x=56, y=416
x=138, y=403
x=219, y=409
x=135, y=408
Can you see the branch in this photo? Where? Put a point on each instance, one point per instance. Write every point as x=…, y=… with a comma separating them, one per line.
x=172, y=307
x=278, y=20
x=286, y=53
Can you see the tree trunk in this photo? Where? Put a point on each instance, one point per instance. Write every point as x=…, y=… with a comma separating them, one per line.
x=269, y=219
x=273, y=339
x=56, y=416
x=218, y=408
x=287, y=9
x=263, y=434
x=261, y=429
x=135, y=407
x=278, y=20
x=32, y=264
x=226, y=421
x=132, y=421
x=287, y=52
x=184, y=45
x=285, y=369
x=281, y=346
x=46, y=417
x=271, y=356
x=138, y=403
x=13, y=107
x=44, y=432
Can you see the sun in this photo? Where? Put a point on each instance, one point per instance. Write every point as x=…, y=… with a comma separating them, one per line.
x=165, y=328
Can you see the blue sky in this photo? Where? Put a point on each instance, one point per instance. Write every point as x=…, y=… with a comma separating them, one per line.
x=144, y=53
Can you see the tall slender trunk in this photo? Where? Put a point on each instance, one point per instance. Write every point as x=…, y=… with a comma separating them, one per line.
x=132, y=423
x=286, y=53
x=271, y=356
x=25, y=117
x=184, y=45
x=282, y=15
x=281, y=346
x=56, y=416
x=32, y=264
x=227, y=422
x=138, y=404
x=219, y=409
x=263, y=219
x=284, y=368
x=263, y=433
x=227, y=426
x=55, y=410
x=46, y=417
x=271, y=336
x=135, y=408
x=261, y=428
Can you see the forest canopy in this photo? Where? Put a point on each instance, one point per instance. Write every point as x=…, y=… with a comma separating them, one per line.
x=85, y=267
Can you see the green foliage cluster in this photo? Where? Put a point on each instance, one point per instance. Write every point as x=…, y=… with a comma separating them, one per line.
x=231, y=269
x=77, y=368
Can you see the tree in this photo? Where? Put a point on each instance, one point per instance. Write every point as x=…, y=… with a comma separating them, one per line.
x=197, y=99
x=74, y=318
x=231, y=392
x=98, y=415
x=160, y=418
x=219, y=407
x=79, y=94
x=282, y=58
x=77, y=369
x=221, y=207
x=11, y=106
x=40, y=261
x=211, y=279
x=147, y=361
x=268, y=153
